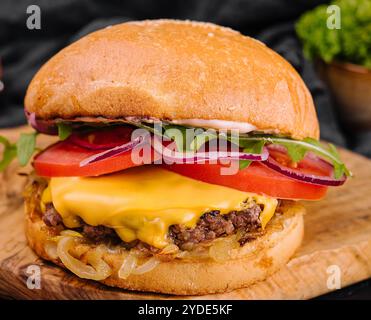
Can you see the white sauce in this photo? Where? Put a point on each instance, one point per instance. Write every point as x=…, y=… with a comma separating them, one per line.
x=243, y=127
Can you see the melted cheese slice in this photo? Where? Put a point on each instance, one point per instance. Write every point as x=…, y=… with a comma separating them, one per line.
x=143, y=202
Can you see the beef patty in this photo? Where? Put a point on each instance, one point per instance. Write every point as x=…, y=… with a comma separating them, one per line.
x=211, y=225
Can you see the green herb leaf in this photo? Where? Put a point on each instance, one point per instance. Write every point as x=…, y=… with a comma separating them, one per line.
x=178, y=134
x=297, y=148
x=313, y=142
x=9, y=153
x=255, y=147
x=339, y=167
x=244, y=164
x=254, y=143
x=64, y=131
x=25, y=146
x=201, y=139
x=295, y=151
x=23, y=149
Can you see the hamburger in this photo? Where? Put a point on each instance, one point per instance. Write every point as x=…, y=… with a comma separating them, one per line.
x=183, y=150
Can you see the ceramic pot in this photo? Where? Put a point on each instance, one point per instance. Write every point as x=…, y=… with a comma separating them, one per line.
x=350, y=86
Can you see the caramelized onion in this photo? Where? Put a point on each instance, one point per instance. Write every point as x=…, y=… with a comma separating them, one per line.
x=147, y=266
x=128, y=266
x=170, y=249
x=50, y=248
x=98, y=270
x=71, y=233
x=221, y=249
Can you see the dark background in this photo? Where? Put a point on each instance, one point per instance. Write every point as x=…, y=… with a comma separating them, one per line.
x=23, y=51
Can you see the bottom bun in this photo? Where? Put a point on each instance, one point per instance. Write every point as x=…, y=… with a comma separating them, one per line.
x=253, y=262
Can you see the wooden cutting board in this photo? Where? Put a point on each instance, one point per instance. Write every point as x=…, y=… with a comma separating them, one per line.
x=337, y=243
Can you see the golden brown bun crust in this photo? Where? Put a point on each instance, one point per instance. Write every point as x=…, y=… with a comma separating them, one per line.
x=170, y=69
x=253, y=262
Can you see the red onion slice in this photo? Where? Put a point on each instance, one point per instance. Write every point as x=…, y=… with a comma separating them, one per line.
x=112, y=152
x=194, y=157
x=304, y=177
x=43, y=126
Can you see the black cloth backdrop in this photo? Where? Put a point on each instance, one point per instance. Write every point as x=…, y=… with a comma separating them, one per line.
x=23, y=51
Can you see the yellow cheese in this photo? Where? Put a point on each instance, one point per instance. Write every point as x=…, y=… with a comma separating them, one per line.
x=143, y=202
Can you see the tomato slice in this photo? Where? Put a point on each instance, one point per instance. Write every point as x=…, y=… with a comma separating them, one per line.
x=256, y=178
x=63, y=160
x=307, y=166
x=102, y=138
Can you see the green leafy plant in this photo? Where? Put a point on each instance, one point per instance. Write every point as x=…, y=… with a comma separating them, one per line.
x=350, y=43
x=23, y=149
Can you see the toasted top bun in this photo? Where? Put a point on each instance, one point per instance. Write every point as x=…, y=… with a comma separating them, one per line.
x=173, y=70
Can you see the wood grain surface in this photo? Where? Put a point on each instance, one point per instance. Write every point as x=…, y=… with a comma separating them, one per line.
x=337, y=233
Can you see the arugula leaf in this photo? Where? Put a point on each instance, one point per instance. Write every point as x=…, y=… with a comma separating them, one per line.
x=201, y=139
x=64, y=131
x=25, y=147
x=313, y=142
x=178, y=134
x=166, y=131
x=251, y=147
x=296, y=150
x=254, y=143
x=145, y=126
x=9, y=153
x=339, y=168
x=244, y=164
